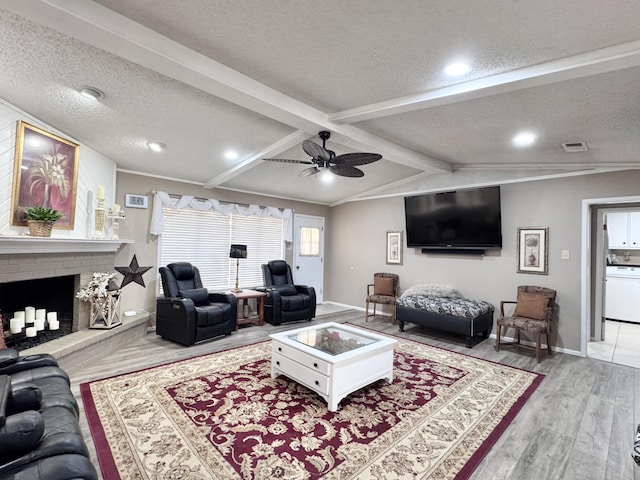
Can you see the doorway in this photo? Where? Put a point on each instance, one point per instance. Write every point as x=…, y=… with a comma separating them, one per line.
x=602, y=338
x=308, y=253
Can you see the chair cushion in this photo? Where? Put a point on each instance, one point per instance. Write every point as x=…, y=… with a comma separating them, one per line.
x=291, y=303
x=527, y=324
x=531, y=305
x=286, y=289
x=200, y=296
x=212, y=314
x=182, y=270
x=383, y=286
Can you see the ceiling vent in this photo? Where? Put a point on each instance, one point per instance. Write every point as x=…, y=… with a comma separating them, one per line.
x=575, y=147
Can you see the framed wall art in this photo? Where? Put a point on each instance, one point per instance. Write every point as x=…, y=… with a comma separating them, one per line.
x=45, y=174
x=136, y=201
x=394, y=248
x=533, y=245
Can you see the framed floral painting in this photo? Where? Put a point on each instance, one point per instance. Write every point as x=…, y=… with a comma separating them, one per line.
x=533, y=244
x=45, y=174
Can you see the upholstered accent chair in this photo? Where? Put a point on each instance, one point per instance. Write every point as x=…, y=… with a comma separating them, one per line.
x=383, y=290
x=534, y=313
x=189, y=313
x=285, y=302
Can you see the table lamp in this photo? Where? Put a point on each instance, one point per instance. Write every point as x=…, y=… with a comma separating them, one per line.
x=238, y=252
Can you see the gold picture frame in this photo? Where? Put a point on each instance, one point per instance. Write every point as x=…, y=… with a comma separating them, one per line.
x=394, y=248
x=533, y=248
x=45, y=174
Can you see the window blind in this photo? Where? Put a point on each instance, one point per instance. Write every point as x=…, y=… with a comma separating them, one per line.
x=204, y=238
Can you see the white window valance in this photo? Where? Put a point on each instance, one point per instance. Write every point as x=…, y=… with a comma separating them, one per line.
x=161, y=199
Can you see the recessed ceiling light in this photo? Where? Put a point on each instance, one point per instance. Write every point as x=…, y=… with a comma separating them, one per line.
x=524, y=139
x=91, y=92
x=156, y=146
x=230, y=155
x=457, y=69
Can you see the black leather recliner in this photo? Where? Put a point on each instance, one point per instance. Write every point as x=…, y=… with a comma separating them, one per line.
x=40, y=437
x=285, y=302
x=188, y=313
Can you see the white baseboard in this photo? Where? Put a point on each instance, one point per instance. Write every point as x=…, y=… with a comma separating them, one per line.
x=568, y=351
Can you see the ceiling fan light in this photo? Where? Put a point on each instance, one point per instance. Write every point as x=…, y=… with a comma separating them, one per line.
x=326, y=177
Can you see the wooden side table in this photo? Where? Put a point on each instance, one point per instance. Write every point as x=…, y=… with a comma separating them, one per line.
x=243, y=297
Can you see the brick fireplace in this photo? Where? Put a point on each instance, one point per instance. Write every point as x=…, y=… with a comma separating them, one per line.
x=28, y=265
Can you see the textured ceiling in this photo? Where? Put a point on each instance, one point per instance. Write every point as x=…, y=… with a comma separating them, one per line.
x=204, y=76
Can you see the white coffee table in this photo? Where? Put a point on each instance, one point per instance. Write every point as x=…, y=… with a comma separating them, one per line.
x=332, y=359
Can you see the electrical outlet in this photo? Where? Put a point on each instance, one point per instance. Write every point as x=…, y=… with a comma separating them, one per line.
x=565, y=254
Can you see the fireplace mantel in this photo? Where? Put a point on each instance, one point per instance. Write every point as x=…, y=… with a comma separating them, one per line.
x=25, y=244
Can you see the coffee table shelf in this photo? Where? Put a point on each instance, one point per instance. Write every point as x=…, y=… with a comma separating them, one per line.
x=332, y=359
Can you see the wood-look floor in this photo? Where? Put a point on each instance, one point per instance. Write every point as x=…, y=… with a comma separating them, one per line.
x=579, y=424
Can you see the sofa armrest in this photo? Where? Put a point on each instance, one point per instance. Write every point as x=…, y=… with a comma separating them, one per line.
x=8, y=356
x=20, y=434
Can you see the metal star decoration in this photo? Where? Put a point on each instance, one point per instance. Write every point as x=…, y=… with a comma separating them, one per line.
x=132, y=273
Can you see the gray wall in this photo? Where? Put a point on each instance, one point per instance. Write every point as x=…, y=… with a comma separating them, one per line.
x=357, y=238
x=137, y=223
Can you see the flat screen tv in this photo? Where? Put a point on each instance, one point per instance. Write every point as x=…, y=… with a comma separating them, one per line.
x=463, y=219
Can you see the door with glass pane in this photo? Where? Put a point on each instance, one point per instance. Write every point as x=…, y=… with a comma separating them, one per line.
x=308, y=252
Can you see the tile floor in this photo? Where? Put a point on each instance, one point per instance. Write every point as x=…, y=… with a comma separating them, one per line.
x=621, y=344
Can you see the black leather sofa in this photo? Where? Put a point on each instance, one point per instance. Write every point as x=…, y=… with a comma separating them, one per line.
x=40, y=437
x=188, y=313
x=285, y=302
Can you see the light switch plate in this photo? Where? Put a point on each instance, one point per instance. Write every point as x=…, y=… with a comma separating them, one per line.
x=565, y=254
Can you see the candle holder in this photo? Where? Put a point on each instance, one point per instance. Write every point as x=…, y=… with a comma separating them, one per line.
x=115, y=217
x=98, y=232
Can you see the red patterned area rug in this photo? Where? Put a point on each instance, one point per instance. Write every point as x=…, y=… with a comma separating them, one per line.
x=222, y=416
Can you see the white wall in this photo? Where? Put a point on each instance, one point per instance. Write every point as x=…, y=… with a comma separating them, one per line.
x=358, y=238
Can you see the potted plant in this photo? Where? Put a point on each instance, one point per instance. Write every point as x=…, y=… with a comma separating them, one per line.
x=41, y=220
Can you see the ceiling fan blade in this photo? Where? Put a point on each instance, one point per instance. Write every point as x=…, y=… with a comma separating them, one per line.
x=315, y=151
x=346, y=171
x=355, y=159
x=309, y=171
x=287, y=160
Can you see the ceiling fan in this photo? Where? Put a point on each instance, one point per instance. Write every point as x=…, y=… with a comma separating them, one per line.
x=323, y=159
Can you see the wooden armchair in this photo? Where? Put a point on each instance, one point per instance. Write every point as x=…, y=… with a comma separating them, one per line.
x=384, y=290
x=534, y=313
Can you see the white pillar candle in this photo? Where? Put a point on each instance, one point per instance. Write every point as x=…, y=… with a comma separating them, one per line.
x=41, y=313
x=31, y=331
x=100, y=194
x=15, y=325
x=39, y=324
x=52, y=316
x=54, y=324
x=116, y=209
x=29, y=314
x=19, y=317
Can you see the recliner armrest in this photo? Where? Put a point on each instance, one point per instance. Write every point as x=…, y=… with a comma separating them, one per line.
x=215, y=297
x=304, y=289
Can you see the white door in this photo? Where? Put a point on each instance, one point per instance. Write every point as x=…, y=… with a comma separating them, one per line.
x=308, y=252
